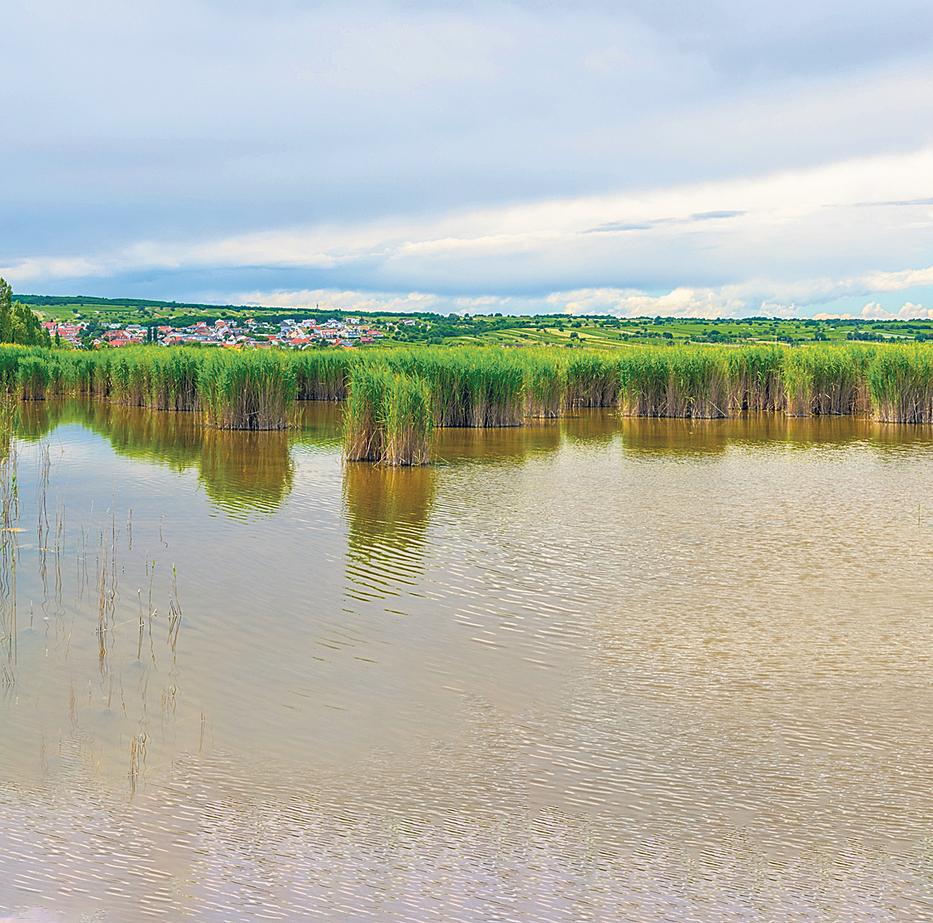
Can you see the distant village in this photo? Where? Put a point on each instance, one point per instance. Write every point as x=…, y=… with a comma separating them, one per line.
x=349, y=332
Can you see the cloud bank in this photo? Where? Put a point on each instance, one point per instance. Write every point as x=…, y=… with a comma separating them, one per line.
x=610, y=158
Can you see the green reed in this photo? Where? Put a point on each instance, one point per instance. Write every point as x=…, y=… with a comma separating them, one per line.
x=756, y=380
x=592, y=379
x=544, y=384
x=323, y=374
x=479, y=387
x=407, y=421
x=388, y=417
x=900, y=382
x=251, y=390
x=364, y=433
x=826, y=380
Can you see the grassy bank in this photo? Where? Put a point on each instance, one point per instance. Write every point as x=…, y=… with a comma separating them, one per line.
x=394, y=397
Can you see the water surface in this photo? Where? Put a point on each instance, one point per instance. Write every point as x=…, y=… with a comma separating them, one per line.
x=594, y=669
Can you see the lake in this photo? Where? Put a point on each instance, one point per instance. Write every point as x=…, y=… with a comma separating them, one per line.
x=589, y=669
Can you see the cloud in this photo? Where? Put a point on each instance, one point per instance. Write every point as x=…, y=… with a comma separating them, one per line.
x=780, y=242
x=909, y=311
x=874, y=311
x=515, y=149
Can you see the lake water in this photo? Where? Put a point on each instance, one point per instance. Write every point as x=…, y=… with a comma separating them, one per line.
x=589, y=670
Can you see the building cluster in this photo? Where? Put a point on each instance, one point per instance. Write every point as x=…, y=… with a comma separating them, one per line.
x=292, y=334
x=67, y=333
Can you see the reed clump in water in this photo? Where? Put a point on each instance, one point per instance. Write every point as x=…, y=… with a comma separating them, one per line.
x=469, y=386
x=592, y=379
x=900, y=381
x=364, y=434
x=756, y=378
x=487, y=386
x=246, y=391
x=544, y=384
x=33, y=374
x=407, y=422
x=680, y=382
x=388, y=418
x=323, y=374
x=826, y=380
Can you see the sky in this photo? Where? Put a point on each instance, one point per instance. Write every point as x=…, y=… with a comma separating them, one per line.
x=635, y=157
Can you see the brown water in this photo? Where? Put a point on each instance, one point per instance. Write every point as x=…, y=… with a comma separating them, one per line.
x=595, y=669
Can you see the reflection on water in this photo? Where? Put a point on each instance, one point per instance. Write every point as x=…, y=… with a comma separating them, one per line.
x=387, y=521
x=591, y=669
x=239, y=471
x=648, y=435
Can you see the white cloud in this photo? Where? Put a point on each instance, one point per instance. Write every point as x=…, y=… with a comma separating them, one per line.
x=874, y=311
x=909, y=311
x=777, y=243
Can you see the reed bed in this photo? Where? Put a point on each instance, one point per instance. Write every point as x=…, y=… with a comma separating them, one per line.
x=592, y=379
x=323, y=374
x=829, y=380
x=470, y=386
x=395, y=397
x=900, y=381
x=248, y=395
x=757, y=382
x=545, y=384
x=388, y=418
x=681, y=382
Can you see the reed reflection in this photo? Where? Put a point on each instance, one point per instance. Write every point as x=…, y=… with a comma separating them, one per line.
x=241, y=472
x=660, y=436
x=388, y=511
x=506, y=444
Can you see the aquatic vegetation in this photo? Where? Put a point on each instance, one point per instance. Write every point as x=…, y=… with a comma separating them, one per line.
x=900, y=381
x=544, y=384
x=592, y=380
x=406, y=421
x=756, y=378
x=471, y=387
x=252, y=390
x=402, y=393
x=32, y=377
x=826, y=380
x=364, y=434
x=323, y=374
x=388, y=418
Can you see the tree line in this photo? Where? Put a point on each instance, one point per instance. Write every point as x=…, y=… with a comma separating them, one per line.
x=18, y=324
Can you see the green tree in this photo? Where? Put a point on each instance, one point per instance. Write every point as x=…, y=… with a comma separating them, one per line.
x=18, y=323
x=6, y=312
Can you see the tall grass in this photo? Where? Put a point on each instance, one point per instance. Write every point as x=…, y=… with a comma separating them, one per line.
x=471, y=387
x=756, y=378
x=395, y=396
x=545, y=384
x=592, y=379
x=407, y=421
x=900, y=381
x=364, y=434
x=676, y=382
x=826, y=380
x=251, y=391
x=323, y=374
x=388, y=418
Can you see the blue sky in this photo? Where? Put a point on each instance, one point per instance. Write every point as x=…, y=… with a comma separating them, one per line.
x=640, y=157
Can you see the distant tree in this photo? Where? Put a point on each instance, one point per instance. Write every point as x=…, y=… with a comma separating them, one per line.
x=6, y=311
x=18, y=324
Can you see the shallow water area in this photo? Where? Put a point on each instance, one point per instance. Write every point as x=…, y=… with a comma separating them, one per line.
x=589, y=669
